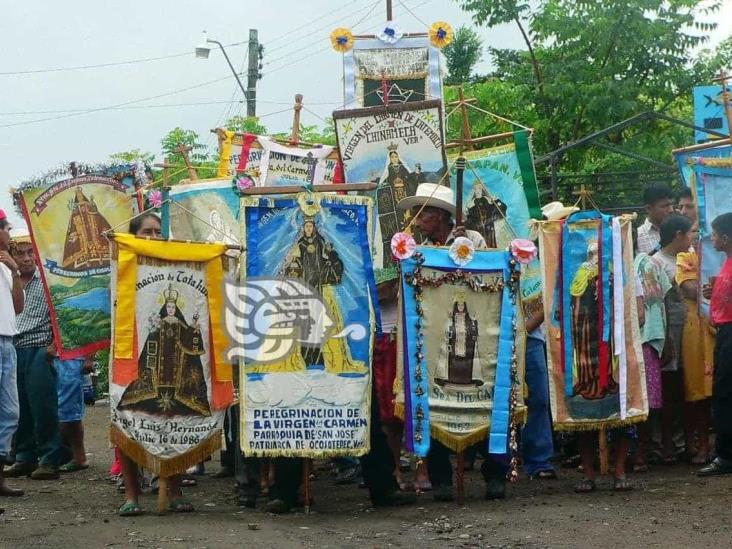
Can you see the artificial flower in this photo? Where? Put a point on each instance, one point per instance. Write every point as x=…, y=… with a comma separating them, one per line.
x=342, y=39
x=243, y=182
x=523, y=250
x=391, y=33
x=155, y=198
x=403, y=246
x=462, y=251
x=441, y=34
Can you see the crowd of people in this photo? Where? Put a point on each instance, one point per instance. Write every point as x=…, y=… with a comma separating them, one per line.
x=687, y=356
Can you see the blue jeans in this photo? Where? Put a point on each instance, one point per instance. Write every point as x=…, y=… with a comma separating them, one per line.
x=536, y=438
x=9, y=407
x=70, y=389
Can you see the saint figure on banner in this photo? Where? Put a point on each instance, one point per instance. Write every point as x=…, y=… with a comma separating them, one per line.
x=398, y=177
x=458, y=362
x=85, y=247
x=170, y=378
x=585, y=329
x=487, y=216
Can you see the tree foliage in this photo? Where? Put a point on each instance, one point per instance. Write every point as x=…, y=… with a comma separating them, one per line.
x=462, y=54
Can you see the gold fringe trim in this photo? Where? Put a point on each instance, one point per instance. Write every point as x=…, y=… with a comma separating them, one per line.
x=602, y=424
x=165, y=467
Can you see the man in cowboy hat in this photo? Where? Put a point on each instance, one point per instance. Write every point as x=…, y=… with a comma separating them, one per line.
x=553, y=211
x=434, y=207
x=11, y=303
x=38, y=440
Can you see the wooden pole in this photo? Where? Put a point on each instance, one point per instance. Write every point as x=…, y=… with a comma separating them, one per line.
x=460, y=165
x=295, y=136
x=604, y=452
x=389, y=13
x=183, y=150
x=460, y=464
x=307, y=486
x=467, y=134
x=162, y=495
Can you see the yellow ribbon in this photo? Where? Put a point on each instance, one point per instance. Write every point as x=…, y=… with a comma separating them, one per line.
x=129, y=248
x=225, y=157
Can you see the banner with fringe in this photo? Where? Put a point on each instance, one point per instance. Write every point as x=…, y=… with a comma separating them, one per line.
x=399, y=146
x=67, y=218
x=170, y=383
x=460, y=365
x=596, y=370
x=306, y=379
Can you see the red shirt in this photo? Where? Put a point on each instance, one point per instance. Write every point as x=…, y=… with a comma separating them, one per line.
x=721, y=305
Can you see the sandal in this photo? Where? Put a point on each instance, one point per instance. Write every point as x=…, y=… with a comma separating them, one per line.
x=546, y=474
x=585, y=486
x=640, y=468
x=72, y=467
x=180, y=505
x=188, y=481
x=130, y=509
x=621, y=484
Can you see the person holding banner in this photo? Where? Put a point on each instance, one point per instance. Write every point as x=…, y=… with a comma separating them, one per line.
x=12, y=300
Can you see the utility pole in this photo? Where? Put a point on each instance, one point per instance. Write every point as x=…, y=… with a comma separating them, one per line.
x=252, y=73
x=388, y=10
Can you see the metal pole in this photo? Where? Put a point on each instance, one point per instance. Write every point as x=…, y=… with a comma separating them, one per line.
x=252, y=73
x=233, y=70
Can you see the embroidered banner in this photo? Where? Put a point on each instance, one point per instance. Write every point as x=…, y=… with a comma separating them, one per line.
x=306, y=389
x=399, y=147
x=409, y=69
x=460, y=366
x=713, y=185
x=587, y=319
x=169, y=382
x=66, y=220
x=269, y=163
x=210, y=212
x=495, y=205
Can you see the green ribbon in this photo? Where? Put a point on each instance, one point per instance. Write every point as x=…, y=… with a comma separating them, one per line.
x=526, y=164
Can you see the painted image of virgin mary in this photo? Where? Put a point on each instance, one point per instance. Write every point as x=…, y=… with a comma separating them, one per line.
x=458, y=361
x=487, y=216
x=585, y=329
x=170, y=378
x=399, y=177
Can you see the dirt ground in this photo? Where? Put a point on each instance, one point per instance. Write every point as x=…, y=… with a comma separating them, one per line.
x=669, y=507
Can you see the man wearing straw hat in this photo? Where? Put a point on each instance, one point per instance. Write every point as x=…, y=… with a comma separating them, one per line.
x=11, y=303
x=38, y=440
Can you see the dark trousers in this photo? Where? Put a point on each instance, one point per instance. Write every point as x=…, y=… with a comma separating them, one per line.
x=439, y=467
x=38, y=438
x=378, y=465
x=722, y=391
x=231, y=427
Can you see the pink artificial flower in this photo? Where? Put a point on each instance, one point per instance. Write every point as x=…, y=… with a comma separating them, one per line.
x=244, y=182
x=523, y=250
x=155, y=198
x=403, y=246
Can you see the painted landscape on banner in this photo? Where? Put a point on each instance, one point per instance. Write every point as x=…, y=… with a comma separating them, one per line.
x=209, y=213
x=313, y=398
x=67, y=220
x=397, y=147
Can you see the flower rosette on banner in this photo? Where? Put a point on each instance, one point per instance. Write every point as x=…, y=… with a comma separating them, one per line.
x=391, y=33
x=243, y=182
x=341, y=39
x=441, y=34
x=403, y=246
x=155, y=198
x=462, y=251
x=523, y=250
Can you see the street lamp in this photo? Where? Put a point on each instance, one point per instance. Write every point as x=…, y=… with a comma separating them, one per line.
x=202, y=51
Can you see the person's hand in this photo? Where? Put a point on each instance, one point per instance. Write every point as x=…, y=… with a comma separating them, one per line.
x=9, y=262
x=459, y=231
x=88, y=367
x=707, y=291
x=51, y=350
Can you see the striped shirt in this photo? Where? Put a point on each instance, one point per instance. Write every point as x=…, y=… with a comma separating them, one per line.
x=34, y=323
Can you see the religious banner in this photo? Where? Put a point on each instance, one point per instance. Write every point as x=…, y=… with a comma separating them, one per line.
x=709, y=112
x=596, y=369
x=398, y=147
x=307, y=326
x=269, y=163
x=460, y=365
x=206, y=211
x=496, y=184
x=376, y=72
x=713, y=189
x=686, y=160
x=67, y=219
x=170, y=382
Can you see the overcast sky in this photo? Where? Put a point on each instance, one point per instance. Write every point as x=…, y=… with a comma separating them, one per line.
x=42, y=34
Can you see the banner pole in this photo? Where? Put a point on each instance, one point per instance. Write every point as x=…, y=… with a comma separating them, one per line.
x=460, y=464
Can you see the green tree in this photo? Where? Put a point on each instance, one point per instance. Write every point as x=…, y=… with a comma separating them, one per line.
x=132, y=156
x=206, y=165
x=462, y=54
x=245, y=124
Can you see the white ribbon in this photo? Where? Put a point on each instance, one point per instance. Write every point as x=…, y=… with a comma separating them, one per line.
x=619, y=316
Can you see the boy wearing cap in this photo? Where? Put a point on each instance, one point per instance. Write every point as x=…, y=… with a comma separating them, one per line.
x=11, y=303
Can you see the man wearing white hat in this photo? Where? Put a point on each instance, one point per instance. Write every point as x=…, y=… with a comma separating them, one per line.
x=434, y=206
x=554, y=211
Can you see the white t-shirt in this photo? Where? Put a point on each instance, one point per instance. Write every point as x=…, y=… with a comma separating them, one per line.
x=7, y=310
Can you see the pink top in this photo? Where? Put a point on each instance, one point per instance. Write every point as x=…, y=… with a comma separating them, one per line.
x=721, y=306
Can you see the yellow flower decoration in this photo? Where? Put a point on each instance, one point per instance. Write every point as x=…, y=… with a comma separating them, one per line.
x=441, y=34
x=342, y=39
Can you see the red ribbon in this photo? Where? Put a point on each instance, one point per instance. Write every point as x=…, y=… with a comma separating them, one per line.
x=246, y=146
